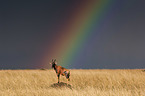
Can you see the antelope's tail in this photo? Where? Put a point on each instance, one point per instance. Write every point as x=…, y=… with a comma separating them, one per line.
x=68, y=74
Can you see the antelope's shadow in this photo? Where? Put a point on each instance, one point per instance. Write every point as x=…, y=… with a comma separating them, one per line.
x=61, y=85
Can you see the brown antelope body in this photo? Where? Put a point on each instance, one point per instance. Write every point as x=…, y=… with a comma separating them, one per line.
x=60, y=70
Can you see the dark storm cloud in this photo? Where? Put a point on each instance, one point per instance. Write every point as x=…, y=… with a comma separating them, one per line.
x=119, y=42
x=27, y=27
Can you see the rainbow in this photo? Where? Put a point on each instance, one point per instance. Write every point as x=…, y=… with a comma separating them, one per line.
x=85, y=20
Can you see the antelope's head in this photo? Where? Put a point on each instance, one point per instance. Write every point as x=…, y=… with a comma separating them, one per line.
x=53, y=63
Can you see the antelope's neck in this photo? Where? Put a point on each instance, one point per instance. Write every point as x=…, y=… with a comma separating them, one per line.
x=55, y=67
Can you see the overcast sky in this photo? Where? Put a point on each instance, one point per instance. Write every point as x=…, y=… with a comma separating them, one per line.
x=27, y=27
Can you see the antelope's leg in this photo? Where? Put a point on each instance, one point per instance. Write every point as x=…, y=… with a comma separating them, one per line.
x=58, y=77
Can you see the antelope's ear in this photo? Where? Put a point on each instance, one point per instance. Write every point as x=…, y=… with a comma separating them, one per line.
x=54, y=60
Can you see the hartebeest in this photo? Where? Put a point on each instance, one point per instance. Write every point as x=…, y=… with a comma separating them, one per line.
x=60, y=70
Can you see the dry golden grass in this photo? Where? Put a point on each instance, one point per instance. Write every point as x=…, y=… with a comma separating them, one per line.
x=83, y=83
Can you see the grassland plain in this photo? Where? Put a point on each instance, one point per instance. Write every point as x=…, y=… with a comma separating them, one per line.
x=82, y=83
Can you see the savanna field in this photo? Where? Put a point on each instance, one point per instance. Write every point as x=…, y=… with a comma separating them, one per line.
x=82, y=83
